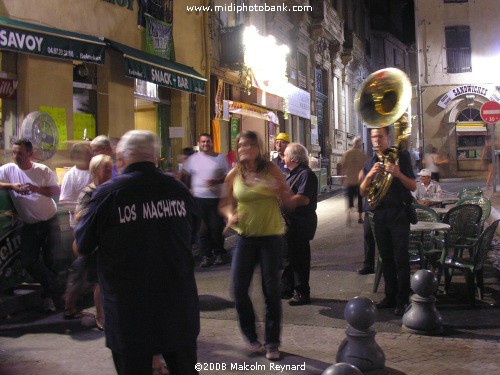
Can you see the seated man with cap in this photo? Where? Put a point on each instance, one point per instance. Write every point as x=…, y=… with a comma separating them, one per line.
x=426, y=188
x=280, y=143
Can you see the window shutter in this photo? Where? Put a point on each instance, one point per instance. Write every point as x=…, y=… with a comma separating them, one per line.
x=458, y=49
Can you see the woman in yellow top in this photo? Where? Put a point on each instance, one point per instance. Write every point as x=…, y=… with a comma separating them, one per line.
x=255, y=188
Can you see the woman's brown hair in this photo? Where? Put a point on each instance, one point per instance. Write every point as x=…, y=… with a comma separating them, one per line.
x=261, y=162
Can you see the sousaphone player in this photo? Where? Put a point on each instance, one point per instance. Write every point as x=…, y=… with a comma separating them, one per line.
x=388, y=180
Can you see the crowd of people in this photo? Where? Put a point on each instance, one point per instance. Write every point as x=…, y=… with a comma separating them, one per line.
x=135, y=227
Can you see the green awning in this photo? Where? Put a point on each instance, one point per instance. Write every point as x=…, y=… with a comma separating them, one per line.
x=46, y=41
x=155, y=69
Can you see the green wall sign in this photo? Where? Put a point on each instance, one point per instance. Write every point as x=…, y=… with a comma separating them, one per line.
x=122, y=3
x=235, y=129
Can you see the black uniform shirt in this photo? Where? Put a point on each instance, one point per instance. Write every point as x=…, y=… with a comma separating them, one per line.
x=305, y=182
x=143, y=223
x=391, y=207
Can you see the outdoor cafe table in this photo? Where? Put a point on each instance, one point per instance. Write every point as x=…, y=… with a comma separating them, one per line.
x=443, y=200
x=427, y=226
x=423, y=226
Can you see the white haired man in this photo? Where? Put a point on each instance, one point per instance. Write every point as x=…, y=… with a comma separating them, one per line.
x=143, y=223
x=301, y=226
x=101, y=145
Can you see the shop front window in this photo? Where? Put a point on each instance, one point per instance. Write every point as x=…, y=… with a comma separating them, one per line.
x=84, y=101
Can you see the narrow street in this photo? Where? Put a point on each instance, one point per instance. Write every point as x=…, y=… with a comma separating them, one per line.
x=35, y=343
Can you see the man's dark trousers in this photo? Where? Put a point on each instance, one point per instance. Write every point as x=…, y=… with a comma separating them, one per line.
x=297, y=263
x=393, y=241
x=211, y=238
x=181, y=362
x=369, y=243
x=38, y=239
x=352, y=192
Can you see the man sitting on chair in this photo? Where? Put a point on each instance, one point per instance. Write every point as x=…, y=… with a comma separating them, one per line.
x=426, y=188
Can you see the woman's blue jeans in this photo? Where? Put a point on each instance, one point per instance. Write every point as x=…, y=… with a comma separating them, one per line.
x=248, y=252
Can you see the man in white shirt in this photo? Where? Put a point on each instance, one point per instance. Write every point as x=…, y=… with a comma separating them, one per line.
x=31, y=187
x=76, y=179
x=207, y=170
x=426, y=188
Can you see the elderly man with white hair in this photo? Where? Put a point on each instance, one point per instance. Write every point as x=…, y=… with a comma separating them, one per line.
x=301, y=226
x=142, y=223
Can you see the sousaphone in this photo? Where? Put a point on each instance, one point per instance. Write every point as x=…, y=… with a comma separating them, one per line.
x=382, y=101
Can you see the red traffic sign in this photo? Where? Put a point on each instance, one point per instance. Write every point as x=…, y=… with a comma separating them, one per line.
x=490, y=112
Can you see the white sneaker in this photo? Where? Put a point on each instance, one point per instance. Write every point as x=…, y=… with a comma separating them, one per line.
x=48, y=305
x=273, y=354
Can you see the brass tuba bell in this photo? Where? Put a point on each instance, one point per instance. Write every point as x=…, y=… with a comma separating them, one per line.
x=383, y=100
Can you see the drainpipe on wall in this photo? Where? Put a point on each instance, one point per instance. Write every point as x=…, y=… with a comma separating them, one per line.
x=207, y=55
x=419, y=87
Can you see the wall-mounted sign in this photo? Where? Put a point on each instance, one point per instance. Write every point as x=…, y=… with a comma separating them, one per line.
x=487, y=91
x=235, y=129
x=176, y=132
x=159, y=38
x=314, y=130
x=8, y=88
x=298, y=102
x=129, y=4
x=155, y=69
x=46, y=41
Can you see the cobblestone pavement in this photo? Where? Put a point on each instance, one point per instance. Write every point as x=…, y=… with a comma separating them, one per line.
x=221, y=350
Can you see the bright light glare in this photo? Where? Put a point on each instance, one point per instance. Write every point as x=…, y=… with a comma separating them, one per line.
x=485, y=69
x=266, y=59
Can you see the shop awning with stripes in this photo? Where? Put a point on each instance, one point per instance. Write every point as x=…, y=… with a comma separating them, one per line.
x=46, y=41
x=245, y=109
x=155, y=69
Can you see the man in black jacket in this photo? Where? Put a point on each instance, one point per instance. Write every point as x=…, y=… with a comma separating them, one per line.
x=142, y=223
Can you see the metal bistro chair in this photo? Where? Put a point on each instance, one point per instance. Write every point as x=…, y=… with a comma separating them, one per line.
x=482, y=202
x=471, y=268
x=464, y=221
x=430, y=253
x=471, y=192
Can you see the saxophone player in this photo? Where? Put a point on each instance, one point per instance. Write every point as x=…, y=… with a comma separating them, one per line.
x=392, y=226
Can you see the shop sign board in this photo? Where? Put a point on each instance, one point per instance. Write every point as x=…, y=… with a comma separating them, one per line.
x=487, y=91
x=163, y=77
x=299, y=102
x=8, y=88
x=45, y=41
x=490, y=112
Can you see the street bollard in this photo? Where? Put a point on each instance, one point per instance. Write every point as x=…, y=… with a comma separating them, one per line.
x=422, y=316
x=359, y=347
x=342, y=369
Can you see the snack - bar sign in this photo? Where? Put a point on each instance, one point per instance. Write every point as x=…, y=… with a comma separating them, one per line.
x=129, y=4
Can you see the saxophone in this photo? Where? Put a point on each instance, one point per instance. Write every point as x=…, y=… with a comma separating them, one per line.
x=382, y=101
